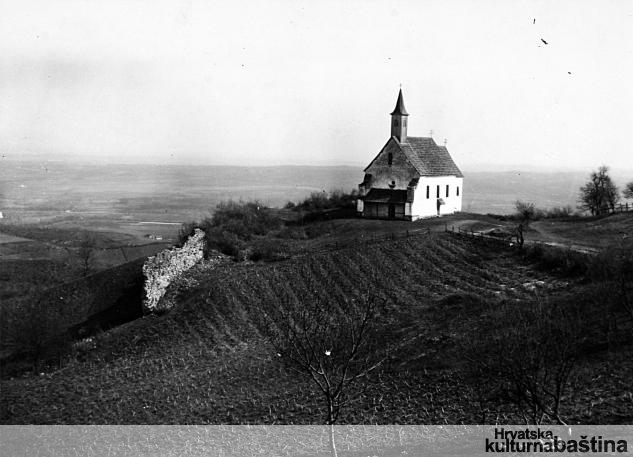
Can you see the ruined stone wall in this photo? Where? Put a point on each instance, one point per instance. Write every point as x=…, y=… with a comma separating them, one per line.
x=163, y=268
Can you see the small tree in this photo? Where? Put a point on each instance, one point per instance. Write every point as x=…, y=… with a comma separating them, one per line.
x=334, y=343
x=599, y=194
x=86, y=251
x=526, y=212
x=628, y=190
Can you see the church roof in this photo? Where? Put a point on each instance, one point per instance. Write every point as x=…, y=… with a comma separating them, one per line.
x=428, y=158
x=400, y=109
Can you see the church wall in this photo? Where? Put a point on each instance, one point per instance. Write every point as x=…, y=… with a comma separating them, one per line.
x=400, y=170
x=426, y=207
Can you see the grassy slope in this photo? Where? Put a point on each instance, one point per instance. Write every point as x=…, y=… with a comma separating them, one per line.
x=205, y=362
x=598, y=232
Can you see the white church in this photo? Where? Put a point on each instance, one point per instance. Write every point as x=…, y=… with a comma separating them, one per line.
x=410, y=178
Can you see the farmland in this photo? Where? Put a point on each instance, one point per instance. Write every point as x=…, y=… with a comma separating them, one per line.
x=206, y=361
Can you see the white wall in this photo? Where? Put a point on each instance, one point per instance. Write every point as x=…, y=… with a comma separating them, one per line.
x=426, y=207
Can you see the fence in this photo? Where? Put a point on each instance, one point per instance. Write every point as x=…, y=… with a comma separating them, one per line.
x=475, y=234
x=616, y=209
x=510, y=240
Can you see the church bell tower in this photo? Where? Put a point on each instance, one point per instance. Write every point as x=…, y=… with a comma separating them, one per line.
x=399, y=120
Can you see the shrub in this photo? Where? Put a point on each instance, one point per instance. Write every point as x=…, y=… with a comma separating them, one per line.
x=267, y=250
x=245, y=219
x=232, y=225
x=319, y=201
x=224, y=241
x=564, y=261
x=559, y=211
x=526, y=212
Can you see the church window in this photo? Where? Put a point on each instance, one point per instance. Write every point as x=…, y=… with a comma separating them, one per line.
x=428, y=189
x=458, y=191
x=390, y=158
x=438, y=191
x=395, y=123
x=447, y=190
x=404, y=122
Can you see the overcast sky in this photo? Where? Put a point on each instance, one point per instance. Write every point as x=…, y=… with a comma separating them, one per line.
x=306, y=82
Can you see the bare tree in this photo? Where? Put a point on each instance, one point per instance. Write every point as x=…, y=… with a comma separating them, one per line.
x=86, y=251
x=599, y=194
x=334, y=343
x=526, y=212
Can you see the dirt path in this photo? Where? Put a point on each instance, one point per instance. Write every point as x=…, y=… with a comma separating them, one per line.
x=539, y=232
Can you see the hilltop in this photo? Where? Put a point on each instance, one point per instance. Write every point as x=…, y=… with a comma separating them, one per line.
x=206, y=361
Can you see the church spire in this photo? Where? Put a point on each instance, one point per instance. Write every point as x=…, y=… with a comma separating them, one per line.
x=400, y=109
x=399, y=120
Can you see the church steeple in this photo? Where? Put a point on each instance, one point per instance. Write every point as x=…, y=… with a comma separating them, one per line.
x=399, y=120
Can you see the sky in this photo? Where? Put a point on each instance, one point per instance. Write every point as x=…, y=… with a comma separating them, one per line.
x=546, y=84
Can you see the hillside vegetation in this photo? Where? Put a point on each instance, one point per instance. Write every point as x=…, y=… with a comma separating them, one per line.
x=207, y=362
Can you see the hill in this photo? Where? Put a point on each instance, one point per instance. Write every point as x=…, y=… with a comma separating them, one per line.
x=206, y=361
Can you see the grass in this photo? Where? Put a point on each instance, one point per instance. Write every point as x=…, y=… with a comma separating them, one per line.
x=205, y=362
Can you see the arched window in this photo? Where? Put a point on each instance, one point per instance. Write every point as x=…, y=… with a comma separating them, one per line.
x=395, y=122
x=404, y=122
x=390, y=159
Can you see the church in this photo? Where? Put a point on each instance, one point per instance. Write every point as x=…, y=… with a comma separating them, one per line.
x=410, y=178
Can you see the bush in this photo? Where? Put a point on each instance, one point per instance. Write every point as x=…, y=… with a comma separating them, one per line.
x=559, y=211
x=226, y=242
x=267, y=250
x=319, y=201
x=564, y=261
x=245, y=219
x=232, y=225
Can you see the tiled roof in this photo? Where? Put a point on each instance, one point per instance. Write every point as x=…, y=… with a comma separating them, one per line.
x=428, y=158
x=386, y=196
